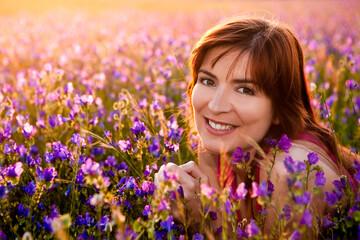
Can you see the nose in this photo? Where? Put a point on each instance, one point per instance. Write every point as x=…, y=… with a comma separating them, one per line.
x=220, y=102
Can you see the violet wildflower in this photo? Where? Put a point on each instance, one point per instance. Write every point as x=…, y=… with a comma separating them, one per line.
x=228, y=207
x=260, y=190
x=247, y=156
x=340, y=184
x=213, y=215
x=148, y=187
x=15, y=171
x=320, y=179
x=7, y=149
x=302, y=199
x=102, y=223
x=284, y=143
x=69, y=88
x=54, y=212
x=86, y=100
x=313, y=158
x=241, y=233
x=22, y=211
x=171, y=147
x=31, y=188
x=147, y=211
x=306, y=218
x=295, y=235
x=125, y=145
x=287, y=211
x=47, y=224
x=241, y=191
x=67, y=193
x=167, y=224
x=53, y=121
x=83, y=235
x=351, y=84
x=154, y=148
x=27, y=130
x=198, y=236
x=271, y=142
x=207, y=191
x=327, y=223
x=237, y=155
x=180, y=190
x=138, y=128
x=2, y=235
x=147, y=171
x=91, y=168
x=252, y=229
x=164, y=205
x=3, y=191
x=331, y=198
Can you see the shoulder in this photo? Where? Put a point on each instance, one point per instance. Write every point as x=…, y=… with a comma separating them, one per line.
x=299, y=153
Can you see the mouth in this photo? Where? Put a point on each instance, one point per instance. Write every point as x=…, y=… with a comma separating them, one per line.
x=219, y=128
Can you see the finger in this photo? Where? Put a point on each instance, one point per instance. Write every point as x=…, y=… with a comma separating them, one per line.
x=182, y=176
x=193, y=170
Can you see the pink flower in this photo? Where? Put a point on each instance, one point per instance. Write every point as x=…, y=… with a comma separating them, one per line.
x=241, y=191
x=206, y=190
x=27, y=130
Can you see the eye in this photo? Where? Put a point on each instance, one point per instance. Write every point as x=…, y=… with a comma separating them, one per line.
x=246, y=90
x=207, y=82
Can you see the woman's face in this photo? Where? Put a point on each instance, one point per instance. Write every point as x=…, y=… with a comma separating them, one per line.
x=229, y=110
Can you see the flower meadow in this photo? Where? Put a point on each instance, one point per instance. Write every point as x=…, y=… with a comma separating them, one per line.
x=92, y=106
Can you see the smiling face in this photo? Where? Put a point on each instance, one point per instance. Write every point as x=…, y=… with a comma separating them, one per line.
x=229, y=108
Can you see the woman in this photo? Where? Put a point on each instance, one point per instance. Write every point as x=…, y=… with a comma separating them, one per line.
x=248, y=82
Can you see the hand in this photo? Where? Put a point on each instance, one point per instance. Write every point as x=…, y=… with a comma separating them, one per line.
x=189, y=177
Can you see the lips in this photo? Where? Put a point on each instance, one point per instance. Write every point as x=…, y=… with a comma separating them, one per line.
x=218, y=128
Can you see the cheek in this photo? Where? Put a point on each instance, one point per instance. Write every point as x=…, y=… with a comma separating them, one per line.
x=198, y=99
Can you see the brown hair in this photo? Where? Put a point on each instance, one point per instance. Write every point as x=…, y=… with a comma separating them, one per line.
x=276, y=65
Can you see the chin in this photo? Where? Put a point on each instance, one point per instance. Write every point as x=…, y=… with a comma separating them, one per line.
x=217, y=148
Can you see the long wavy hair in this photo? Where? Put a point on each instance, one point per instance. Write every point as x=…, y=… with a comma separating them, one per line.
x=276, y=65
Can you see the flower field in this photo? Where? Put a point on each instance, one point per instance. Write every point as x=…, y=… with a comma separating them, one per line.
x=92, y=104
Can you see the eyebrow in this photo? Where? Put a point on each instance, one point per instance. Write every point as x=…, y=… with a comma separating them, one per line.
x=242, y=80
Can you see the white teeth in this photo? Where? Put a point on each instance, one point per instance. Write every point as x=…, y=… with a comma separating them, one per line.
x=220, y=127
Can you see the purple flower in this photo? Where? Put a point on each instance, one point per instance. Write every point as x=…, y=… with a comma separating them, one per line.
x=252, y=229
x=180, y=190
x=148, y=187
x=53, y=121
x=228, y=206
x=91, y=168
x=327, y=223
x=69, y=88
x=241, y=233
x=154, y=148
x=302, y=199
x=54, y=212
x=27, y=130
x=76, y=139
x=207, y=191
x=313, y=158
x=284, y=143
x=260, y=190
x=213, y=215
x=295, y=235
x=294, y=166
x=271, y=142
x=2, y=235
x=47, y=224
x=147, y=211
x=237, y=155
x=306, y=218
x=164, y=205
x=287, y=211
x=171, y=146
x=331, y=198
x=320, y=180
x=138, y=128
x=167, y=224
x=241, y=191
x=31, y=188
x=340, y=184
x=198, y=236
x=22, y=211
x=125, y=145
x=102, y=223
x=351, y=84
x=68, y=191
x=7, y=149
x=3, y=191
x=47, y=175
x=14, y=171
x=83, y=236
